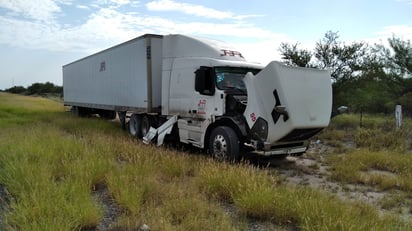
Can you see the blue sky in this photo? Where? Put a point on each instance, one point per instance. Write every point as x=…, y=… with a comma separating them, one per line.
x=37, y=37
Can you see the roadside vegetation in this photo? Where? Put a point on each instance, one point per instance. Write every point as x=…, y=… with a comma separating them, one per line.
x=43, y=89
x=51, y=164
x=366, y=77
x=374, y=154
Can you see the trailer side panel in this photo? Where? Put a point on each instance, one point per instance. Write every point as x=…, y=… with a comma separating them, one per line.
x=117, y=78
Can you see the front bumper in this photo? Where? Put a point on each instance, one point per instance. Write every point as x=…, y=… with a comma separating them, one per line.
x=281, y=149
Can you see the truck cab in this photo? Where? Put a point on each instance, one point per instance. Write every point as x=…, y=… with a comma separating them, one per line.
x=228, y=105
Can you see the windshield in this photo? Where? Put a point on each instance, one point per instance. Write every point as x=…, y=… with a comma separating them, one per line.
x=232, y=77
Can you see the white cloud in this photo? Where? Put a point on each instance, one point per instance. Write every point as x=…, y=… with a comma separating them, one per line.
x=407, y=1
x=108, y=26
x=42, y=10
x=381, y=37
x=261, y=52
x=121, y=2
x=400, y=31
x=191, y=9
x=113, y=3
x=83, y=7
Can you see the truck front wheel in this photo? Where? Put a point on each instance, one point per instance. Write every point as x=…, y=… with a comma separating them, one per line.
x=224, y=144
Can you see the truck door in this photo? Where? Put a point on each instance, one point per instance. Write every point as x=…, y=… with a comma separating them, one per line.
x=192, y=93
x=204, y=93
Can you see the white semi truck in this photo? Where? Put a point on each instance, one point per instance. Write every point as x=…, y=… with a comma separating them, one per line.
x=203, y=92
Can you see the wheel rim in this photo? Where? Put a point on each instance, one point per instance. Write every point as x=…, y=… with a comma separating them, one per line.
x=220, y=147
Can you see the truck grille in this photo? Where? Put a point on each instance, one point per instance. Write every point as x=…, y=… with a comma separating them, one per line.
x=300, y=134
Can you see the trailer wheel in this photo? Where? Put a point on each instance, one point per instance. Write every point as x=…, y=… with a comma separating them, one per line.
x=146, y=121
x=122, y=118
x=224, y=144
x=134, y=125
x=107, y=114
x=75, y=110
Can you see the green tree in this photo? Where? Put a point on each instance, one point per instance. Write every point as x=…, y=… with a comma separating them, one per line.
x=293, y=56
x=359, y=72
x=16, y=90
x=397, y=62
x=401, y=56
x=44, y=88
x=344, y=61
x=406, y=102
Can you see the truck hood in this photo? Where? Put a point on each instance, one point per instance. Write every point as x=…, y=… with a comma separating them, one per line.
x=295, y=102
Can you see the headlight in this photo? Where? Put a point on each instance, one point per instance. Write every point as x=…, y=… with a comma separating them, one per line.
x=259, y=130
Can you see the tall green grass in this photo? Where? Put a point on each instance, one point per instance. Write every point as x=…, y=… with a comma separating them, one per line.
x=378, y=132
x=51, y=162
x=257, y=195
x=357, y=167
x=18, y=109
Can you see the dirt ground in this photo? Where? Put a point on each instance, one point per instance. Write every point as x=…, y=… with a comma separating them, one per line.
x=311, y=170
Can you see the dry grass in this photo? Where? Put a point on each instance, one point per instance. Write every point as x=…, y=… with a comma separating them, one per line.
x=383, y=169
x=378, y=133
x=50, y=162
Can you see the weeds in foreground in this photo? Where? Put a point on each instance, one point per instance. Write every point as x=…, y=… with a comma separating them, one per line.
x=367, y=167
x=51, y=162
x=377, y=133
x=375, y=139
x=310, y=209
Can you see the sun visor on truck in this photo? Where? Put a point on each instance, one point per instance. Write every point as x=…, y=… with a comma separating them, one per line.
x=288, y=99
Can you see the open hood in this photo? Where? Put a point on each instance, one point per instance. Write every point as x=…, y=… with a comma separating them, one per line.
x=287, y=103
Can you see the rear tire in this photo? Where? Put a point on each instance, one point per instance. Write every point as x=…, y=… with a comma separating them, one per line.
x=134, y=125
x=224, y=144
x=107, y=114
x=146, y=121
x=122, y=118
x=80, y=111
x=75, y=111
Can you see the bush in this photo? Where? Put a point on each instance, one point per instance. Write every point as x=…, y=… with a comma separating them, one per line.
x=37, y=89
x=377, y=139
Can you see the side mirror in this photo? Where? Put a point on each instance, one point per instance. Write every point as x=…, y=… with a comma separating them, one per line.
x=204, y=81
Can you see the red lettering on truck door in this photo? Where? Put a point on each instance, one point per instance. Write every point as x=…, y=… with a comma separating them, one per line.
x=253, y=117
x=201, y=107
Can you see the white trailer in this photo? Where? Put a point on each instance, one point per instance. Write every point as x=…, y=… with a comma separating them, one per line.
x=205, y=92
x=126, y=77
